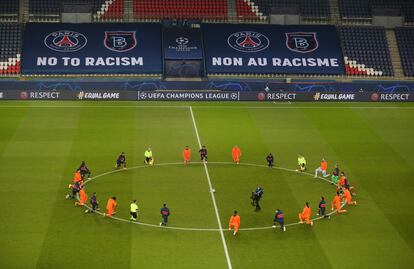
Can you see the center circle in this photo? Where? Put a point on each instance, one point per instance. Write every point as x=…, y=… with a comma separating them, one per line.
x=231, y=182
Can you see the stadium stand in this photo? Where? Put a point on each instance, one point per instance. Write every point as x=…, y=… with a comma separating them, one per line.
x=405, y=41
x=10, y=47
x=180, y=9
x=9, y=10
x=112, y=10
x=365, y=51
x=49, y=10
x=260, y=9
x=361, y=9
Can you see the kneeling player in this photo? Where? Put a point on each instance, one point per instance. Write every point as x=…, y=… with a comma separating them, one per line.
x=279, y=218
x=83, y=197
x=336, y=204
x=348, y=197
x=322, y=169
x=75, y=188
x=121, y=161
x=149, y=159
x=234, y=222
x=301, y=163
x=84, y=170
x=94, y=204
x=305, y=215
x=322, y=208
x=110, y=207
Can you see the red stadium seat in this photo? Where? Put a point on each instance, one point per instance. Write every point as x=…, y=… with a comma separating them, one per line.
x=181, y=9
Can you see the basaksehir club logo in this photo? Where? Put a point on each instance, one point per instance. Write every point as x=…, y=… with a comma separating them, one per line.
x=65, y=41
x=247, y=41
x=302, y=42
x=120, y=41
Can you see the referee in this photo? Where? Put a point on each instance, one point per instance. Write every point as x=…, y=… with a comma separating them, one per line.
x=134, y=210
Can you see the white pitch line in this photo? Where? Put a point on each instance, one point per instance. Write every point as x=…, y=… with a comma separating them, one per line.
x=201, y=229
x=213, y=198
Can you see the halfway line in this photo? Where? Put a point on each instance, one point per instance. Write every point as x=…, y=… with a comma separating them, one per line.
x=213, y=198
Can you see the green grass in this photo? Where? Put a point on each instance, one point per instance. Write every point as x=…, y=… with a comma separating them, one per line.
x=41, y=143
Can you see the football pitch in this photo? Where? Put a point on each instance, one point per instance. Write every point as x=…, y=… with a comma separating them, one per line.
x=43, y=143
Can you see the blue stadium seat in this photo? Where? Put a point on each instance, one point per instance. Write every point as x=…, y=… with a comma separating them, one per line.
x=9, y=10
x=405, y=41
x=49, y=10
x=10, y=48
x=353, y=9
x=366, y=51
x=259, y=9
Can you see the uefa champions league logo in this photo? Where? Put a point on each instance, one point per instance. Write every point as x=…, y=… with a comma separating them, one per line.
x=182, y=40
x=248, y=41
x=65, y=41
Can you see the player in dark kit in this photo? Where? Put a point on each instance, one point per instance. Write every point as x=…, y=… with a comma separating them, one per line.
x=322, y=207
x=121, y=161
x=165, y=213
x=75, y=188
x=256, y=196
x=270, y=160
x=279, y=218
x=84, y=170
x=203, y=153
x=94, y=204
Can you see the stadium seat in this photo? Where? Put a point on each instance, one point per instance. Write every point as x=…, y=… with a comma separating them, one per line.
x=366, y=51
x=405, y=41
x=10, y=47
x=260, y=9
x=49, y=10
x=361, y=9
x=9, y=10
x=181, y=9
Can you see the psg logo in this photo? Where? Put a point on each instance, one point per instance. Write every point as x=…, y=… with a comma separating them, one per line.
x=247, y=41
x=65, y=41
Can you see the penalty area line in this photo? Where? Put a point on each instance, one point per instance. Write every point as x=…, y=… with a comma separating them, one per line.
x=213, y=198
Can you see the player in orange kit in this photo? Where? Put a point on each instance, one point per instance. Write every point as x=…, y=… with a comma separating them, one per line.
x=348, y=197
x=110, y=206
x=186, y=155
x=77, y=177
x=341, y=182
x=236, y=154
x=322, y=169
x=336, y=203
x=234, y=222
x=305, y=215
x=83, y=197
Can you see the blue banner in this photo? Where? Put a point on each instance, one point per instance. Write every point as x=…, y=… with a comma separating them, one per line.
x=92, y=48
x=182, y=44
x=272, y=49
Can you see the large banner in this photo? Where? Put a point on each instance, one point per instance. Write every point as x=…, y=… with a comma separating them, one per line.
x=234, y=96
x=92, y=48
x=272, y=49
x=182, y=43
